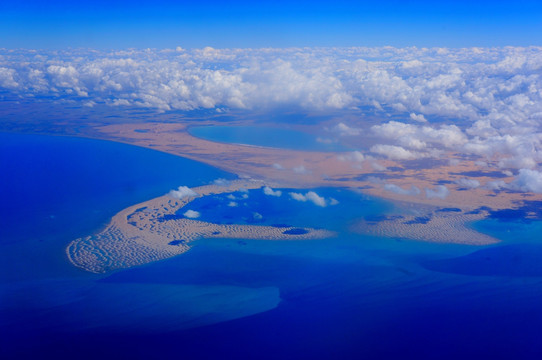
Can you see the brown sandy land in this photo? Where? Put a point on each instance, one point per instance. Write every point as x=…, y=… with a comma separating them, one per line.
x=323, y=168
x=140, y=234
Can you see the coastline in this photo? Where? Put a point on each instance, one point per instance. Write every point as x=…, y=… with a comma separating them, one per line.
x=121, y=245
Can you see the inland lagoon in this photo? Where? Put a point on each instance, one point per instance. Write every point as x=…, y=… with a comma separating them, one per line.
x=265, y=136
x=346, y=296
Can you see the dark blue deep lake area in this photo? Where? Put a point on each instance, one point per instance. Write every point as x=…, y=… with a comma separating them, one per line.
x=347, y=297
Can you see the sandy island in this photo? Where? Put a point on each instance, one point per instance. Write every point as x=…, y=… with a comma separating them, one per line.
x=152, y=231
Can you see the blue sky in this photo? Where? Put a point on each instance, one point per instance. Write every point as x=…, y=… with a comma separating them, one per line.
x=167, y=24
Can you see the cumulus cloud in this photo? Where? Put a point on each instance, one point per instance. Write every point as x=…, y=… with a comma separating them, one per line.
x=191, y=214
x=310, y=196
x=394, y=152
x=182, y=192
x=7, y=78
x=233, y=204
x=301, y=170
x=416, y=137
x=439, y=192
x=355, y=156
x=221, y=182
x=345, y=130
x=496, y=185
x=378, y=167
x=270, y=192
x=298, y=196
x=315, y=198
x=418, y=117
x=399, y=190
x=528, y=180
x=468, y=183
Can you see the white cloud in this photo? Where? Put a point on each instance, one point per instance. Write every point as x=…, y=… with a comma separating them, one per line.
x=418, y=117
x=301, y=170
x=278, y=166
x=182, y=192
x=233, y=204
x=416, y=137
x=310, y=196
x=439, y=192
x=353, y=156
x=7, y=78
x=298, y=196
x=468, y=183
x=394, y=152
x=378, y=167
x=344, y=130
x=191, y=214
x=399, y=190
x=394, y=130
x=270, y=192
x=490, y=83
x=315, y=198
x=496, y=185
x=375, y=180
x=221, y=182
x=527, y=180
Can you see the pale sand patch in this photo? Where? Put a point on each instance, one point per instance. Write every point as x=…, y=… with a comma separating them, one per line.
x=142, y=233
x=432, y=226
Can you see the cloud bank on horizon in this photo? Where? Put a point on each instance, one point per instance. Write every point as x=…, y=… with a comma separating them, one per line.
x=478, y=101
x=473, y=83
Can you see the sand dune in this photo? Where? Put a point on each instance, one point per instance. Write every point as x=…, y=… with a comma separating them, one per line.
x=433, y=226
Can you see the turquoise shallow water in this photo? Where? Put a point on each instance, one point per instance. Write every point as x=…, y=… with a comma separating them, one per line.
x=345, y=297
x=265, y=136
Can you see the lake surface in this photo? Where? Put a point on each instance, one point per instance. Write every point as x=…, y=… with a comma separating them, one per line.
x=266, y=136
x=350, y=296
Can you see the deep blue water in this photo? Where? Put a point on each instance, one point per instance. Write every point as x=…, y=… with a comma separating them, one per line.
x=346, y=297
x=265, y=136
x=61, y=188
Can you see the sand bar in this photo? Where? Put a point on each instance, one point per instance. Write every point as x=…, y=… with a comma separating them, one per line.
x=151, y=231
